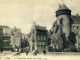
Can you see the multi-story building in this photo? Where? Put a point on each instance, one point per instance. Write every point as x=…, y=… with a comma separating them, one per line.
x=16, y=38
x=24, y=41
x=38, y=38
x=6, y=37
x=1, y=38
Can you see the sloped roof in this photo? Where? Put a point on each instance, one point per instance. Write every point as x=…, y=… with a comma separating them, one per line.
x=75, y=19
x=63, y=6
x=40, y=27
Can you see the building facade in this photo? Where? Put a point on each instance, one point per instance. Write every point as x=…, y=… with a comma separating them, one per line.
x=1, y=38
x=16, y=38
x=6, y=37
x=38, y=39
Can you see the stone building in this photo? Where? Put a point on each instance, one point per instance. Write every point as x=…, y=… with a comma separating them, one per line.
x=1, y=37
x=65, y=24
x=16, y=38
x=6, y=37
x=38, y=38
x=24, y=42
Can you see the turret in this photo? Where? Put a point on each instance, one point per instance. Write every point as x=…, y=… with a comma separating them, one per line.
x=63, y=20
x=63, y=9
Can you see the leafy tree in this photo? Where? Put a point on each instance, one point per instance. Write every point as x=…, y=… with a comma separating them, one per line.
x=72, y=38
x=70, y=44
x=65, y=43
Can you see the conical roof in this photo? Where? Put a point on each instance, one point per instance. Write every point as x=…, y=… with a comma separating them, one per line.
x=63, y=6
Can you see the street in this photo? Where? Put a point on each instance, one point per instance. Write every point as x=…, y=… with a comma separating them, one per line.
x=48, y=56
x=9, y=53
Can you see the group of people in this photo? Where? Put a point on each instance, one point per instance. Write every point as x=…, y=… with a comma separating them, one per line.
x=35, y=52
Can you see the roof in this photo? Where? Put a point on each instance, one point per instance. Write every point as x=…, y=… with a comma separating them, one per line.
x=75, y=19
x=55, y=22
x=40, y=27
x=63, y=6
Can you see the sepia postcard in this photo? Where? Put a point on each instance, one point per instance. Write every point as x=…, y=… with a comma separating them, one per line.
x=39, y=30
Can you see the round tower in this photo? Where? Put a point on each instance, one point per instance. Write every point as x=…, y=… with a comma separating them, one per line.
x=63, y=19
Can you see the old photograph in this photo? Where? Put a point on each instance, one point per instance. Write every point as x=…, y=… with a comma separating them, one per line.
x=39, y=29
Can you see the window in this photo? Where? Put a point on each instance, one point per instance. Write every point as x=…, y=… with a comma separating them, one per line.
x=61, y=20
x=37, y=37
x=38, y=43
x=43, y=43
x=73, y=27
x=41, y=38
x=44, y=37
x=77, y=27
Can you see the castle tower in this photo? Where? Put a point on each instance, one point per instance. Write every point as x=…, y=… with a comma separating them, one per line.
x=63, y=19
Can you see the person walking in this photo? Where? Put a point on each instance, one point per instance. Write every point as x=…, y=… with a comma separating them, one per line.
x=26, y=51
x=44, y=51
x=33, y=52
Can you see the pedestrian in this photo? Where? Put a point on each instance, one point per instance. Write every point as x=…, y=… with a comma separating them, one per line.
x=44, y=51
x=38, y=51
x=35, y=53
x=19, y=50
x=1, y=50
x=26, y=51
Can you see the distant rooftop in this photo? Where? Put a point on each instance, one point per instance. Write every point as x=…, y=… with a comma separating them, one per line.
x=75, y=19
x=41, y=27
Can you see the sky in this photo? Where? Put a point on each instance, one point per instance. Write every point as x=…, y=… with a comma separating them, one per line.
x=22, y=13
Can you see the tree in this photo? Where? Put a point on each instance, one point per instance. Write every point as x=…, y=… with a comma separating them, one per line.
x=65, y=43
x=72, y=38
x=69, y=45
